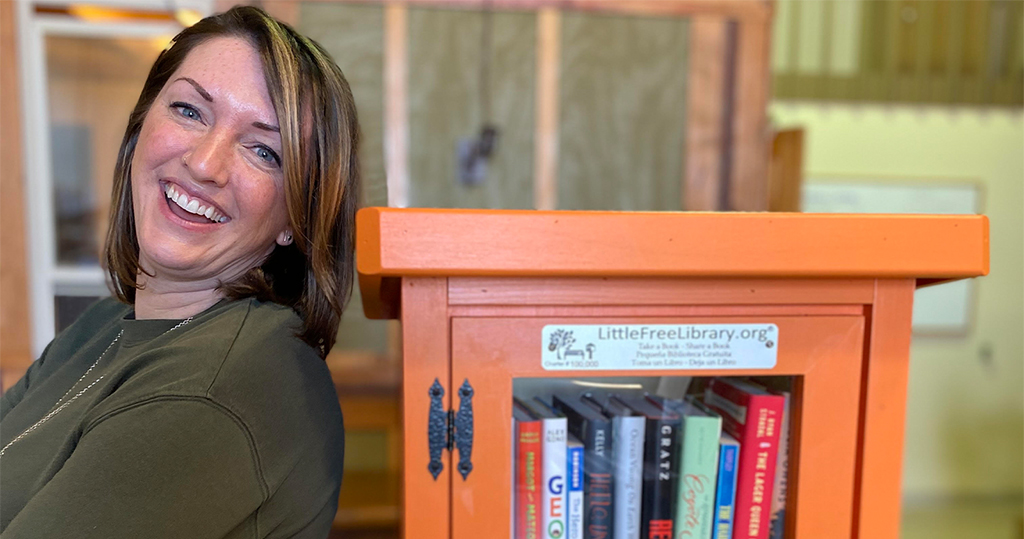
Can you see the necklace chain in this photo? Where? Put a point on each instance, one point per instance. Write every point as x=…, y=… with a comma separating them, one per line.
x=58, y=406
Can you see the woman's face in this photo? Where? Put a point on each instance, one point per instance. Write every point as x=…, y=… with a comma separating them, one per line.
x=206, y=178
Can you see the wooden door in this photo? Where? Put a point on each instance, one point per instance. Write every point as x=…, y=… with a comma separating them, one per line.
x=824, y=354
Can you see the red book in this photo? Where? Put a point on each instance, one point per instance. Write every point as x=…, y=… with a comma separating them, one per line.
x=528, y=473
x=753, y=416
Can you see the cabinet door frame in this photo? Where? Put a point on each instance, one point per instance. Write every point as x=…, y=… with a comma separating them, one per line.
x=825, y=353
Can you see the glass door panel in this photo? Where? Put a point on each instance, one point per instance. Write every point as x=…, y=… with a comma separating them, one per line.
x=818, y=361
x=93, y=84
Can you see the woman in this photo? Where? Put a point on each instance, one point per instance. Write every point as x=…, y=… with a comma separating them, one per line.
x=199, y=405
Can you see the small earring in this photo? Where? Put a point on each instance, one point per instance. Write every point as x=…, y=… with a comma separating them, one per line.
x=287, y=239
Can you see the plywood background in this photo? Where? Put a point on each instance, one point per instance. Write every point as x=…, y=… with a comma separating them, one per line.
x=623, y=104
x=445, y=53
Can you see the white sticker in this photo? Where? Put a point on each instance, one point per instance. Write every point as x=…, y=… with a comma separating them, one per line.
x=659, y=346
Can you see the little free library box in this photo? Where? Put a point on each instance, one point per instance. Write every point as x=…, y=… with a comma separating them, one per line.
x=530, y=306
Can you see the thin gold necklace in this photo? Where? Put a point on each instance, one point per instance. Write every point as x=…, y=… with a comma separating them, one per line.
x=58, y=406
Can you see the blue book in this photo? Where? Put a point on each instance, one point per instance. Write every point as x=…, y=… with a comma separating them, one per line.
x=574, y=473
x=725, y=493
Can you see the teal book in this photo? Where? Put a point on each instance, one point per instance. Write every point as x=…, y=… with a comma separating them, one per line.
x=698, y=468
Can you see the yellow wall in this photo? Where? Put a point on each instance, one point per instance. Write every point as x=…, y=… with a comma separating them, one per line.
x=965, y=421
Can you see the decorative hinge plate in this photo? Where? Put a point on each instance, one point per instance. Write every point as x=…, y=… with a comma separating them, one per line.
x=450, y=430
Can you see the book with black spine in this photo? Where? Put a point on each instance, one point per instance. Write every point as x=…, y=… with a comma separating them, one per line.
x=661, y=465
x=589, y=424
x=628, y=432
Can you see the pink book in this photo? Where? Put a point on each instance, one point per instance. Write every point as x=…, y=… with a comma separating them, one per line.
x=753, y=416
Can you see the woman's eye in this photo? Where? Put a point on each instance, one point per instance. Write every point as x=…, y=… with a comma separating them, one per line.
x=187, y=111
x=267, y=155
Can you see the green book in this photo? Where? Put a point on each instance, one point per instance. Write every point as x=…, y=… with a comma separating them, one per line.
x=698, y=468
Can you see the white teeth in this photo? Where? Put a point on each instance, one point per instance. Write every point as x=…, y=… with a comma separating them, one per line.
x=193, y=206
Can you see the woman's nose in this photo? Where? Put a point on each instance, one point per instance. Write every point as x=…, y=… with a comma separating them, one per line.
x=209, y=157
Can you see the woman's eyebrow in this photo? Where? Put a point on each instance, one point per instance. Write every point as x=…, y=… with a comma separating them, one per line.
x=202, y=91
x=206, y=95
x=266, y=127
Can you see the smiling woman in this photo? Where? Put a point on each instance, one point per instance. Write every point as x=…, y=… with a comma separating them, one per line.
x=197, y=404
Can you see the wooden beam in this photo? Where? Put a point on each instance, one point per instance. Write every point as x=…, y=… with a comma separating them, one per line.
x=748, y=179
x=785, y=176
x=884, y=409
x=545, y=159
x=15, y=332
x=705, y=106
x=733, y=9
x=396, y=103
x=286, y=11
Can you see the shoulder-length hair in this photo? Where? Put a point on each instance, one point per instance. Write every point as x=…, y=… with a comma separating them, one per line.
x=320, y=138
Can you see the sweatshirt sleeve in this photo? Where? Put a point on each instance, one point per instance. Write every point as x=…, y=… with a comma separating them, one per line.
x=16, y=392
x=168, y=467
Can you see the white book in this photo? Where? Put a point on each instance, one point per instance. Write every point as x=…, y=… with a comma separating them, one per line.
x=554, y=428
x=574, y=488
x=628, y=434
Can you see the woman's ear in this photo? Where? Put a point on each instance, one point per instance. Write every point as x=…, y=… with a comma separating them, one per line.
x=284, y=239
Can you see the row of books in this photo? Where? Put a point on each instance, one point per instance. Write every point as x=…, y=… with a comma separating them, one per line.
x=651, y=467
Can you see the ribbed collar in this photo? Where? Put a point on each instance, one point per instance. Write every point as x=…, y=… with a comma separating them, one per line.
x=138, y=332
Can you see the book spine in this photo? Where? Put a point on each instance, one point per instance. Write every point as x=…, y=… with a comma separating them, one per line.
x=600, y=504
x=699, y=471
x=629, y=475
x=759, y=441
x=574, y=492
x=553, y=470
x=661, y=477
x=725, y=495
x=778, y=522
x=514, y=480
x=528, y=479
x=598, y=481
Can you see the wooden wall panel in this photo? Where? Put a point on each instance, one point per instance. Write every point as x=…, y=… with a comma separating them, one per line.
x=445, y=106
x=15, y=342
x=354, y=36
x=623, y=103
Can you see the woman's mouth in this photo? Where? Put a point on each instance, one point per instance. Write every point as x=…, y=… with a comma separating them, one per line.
x=190, y=208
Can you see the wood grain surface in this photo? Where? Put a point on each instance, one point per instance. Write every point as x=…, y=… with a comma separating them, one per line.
x=15, y=338
x=354, y=36
x=445, y=54
x=623, y=112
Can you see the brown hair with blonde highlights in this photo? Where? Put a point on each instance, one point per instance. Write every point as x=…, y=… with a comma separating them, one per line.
x=320, y=138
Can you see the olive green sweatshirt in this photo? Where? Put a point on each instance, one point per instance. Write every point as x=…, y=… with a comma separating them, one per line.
x=227, y=426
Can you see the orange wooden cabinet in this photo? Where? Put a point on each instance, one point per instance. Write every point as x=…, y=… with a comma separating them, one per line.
x=474, y=290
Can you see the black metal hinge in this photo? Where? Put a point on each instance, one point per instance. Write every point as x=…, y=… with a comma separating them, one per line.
x=450, y=430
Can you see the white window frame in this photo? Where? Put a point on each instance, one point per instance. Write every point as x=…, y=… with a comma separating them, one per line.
x=47, y=279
